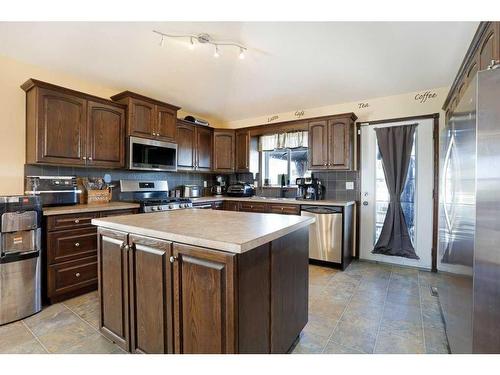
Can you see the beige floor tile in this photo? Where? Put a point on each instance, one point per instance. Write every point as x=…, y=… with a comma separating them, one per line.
x=93, y=344
x=86, y=307
x=50, y=319
x=335, y=348
x=65, y=336
x=14, y=335
x=390, y=343
x=310, y=344
x=359, y=334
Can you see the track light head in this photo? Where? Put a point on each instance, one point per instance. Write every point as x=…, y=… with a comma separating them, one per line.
x=242, y=54
x=216, y=53
x=162, y=41
x=191, y=44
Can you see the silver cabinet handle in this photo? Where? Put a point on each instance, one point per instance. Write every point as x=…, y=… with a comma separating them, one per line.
x=90, y=158
x=77, y=221
x=173, y=258
x=84, y=157
x=77, y=274
x=77, y=244
x=365, y=203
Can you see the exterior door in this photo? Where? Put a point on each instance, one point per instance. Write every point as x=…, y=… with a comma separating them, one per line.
x=150, y=295
x=203, y=149
x=186, y=146
x=318, y=145
x=106, y=135
x=204, y=301
x=166, y=123
x=62, y=128
x=113, y=286
x=417, y=199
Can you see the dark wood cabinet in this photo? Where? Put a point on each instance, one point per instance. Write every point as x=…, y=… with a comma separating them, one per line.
x=224, y=149
x=284, y=209
x=204, y=148
x=253, y=207
x=242, y=155
x=70, y=245
x=150, y=278
x=106, y=135
x=194, y=147
x=113, y=266
x=147, y=117
x=331, y=143
x=204, y=301
x=230, y=206
x=67, y=127
x=484, y=48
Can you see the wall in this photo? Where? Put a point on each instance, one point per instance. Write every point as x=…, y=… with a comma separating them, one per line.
x=12, y=114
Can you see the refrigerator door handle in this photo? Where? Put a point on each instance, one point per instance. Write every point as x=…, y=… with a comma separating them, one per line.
x=445, y=174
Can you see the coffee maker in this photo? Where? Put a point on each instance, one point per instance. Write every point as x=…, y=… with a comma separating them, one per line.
x=309, y=188
x=220, y=186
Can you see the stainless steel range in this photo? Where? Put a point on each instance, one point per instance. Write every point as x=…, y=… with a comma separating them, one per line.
x=152, y=195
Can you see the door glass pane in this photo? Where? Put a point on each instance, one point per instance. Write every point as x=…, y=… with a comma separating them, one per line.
x=407, y=197
x=298, y=164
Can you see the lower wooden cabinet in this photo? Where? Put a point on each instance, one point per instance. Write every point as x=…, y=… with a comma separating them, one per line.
x=204, y=302
x=230, y=206
x=253, y=207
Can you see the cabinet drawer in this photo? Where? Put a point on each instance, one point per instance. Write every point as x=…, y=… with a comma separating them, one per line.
x=71, y=244
x=253, y=207
x=71, y=221
x=285, y=209
x=71, y=276
x=230, y=206
x=130, y=211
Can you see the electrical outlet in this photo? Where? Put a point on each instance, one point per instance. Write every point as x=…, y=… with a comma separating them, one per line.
x=349, y=185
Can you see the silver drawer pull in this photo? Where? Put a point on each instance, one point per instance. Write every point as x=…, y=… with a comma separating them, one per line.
x=77, y=221
x=77, y=274
x=173, y=259
x=77, y=244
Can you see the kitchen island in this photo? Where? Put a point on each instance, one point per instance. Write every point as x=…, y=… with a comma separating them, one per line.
x=203, y=281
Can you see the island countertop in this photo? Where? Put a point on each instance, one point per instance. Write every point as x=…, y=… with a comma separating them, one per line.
x=235, y=232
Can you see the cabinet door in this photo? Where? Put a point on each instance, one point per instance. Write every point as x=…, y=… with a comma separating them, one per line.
x=61, y=128
x=224, y=151
x=318, y=145
x=242, y=151
x=106, y=135
x=203, y=149
x=166, y=123
x=489, y=49
x=186, y=146
x=231, y=206
x=339, y=144
x=142, y=118
x=150, y=295
x=204, y=302
x=253, y=207
x=113, y=286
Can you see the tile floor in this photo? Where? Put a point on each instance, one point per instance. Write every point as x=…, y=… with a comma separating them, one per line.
x=369, y=308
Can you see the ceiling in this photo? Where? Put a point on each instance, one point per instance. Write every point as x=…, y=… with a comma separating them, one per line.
x=289, y=65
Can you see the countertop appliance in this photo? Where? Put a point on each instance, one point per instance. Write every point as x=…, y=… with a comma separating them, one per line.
x=153, y=196
x=309, y=188
x=325, y=235
x=191, y=191
x=151, y=155
x=469, y=229
x=220, y=185
x=53, y=190
x=20, y=250
x=241, y=189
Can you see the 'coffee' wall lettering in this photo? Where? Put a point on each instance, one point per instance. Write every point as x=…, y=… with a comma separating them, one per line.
x=423, y=97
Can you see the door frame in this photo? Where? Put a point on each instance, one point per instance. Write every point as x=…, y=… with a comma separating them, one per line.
x=435, y=185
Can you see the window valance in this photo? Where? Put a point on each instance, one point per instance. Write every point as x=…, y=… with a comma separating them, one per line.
x=283, y=140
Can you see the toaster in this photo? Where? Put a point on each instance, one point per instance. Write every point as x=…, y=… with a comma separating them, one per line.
x=241, y=189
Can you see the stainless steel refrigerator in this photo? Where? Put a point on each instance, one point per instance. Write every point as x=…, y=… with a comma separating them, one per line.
x=469, y=225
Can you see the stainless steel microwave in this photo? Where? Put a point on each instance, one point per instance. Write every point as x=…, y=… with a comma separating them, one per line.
x=150, y=155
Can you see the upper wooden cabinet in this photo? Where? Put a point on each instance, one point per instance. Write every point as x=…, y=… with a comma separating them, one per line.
x=194, y=147
x=331, y=142
x=484, y=48
x=242, y=154
x=224, y=150
x=67, y=127
x=148, y=118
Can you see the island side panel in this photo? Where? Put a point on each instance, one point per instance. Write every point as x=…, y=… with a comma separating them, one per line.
x=254, y=301
x=289, y=288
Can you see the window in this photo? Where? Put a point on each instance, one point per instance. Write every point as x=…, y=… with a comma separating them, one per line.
x=287, y=161
x=407, y=197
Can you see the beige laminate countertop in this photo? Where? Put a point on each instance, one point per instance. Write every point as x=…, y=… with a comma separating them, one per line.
x=326, y=202
x=235, y=232
x=79, y=208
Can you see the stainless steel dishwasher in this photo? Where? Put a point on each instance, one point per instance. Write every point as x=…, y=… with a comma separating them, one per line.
x=325, y=235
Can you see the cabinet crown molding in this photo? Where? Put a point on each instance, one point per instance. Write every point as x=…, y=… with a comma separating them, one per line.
x=130, y=94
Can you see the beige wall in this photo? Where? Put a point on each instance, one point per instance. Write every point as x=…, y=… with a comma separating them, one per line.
x=378, y=109
x=12, y=114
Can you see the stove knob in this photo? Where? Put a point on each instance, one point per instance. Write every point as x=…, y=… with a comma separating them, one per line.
x=171, y=206
x=160, y=208
x=154, y=208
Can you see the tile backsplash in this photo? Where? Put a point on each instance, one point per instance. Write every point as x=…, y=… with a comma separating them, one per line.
x=334, y=181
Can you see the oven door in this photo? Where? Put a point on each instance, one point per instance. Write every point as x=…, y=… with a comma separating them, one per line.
x=151, y=155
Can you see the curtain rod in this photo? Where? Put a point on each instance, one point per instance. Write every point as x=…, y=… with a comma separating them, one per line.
x=387, y=125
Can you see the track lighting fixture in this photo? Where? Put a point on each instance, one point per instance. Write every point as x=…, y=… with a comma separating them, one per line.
x=203, y=39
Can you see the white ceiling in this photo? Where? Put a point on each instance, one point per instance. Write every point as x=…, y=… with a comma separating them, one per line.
x=289, y=65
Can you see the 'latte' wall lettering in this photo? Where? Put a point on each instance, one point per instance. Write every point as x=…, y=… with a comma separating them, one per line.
x=299, y=114
x=272, y=118
x=363, y=105
x=423, y=97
